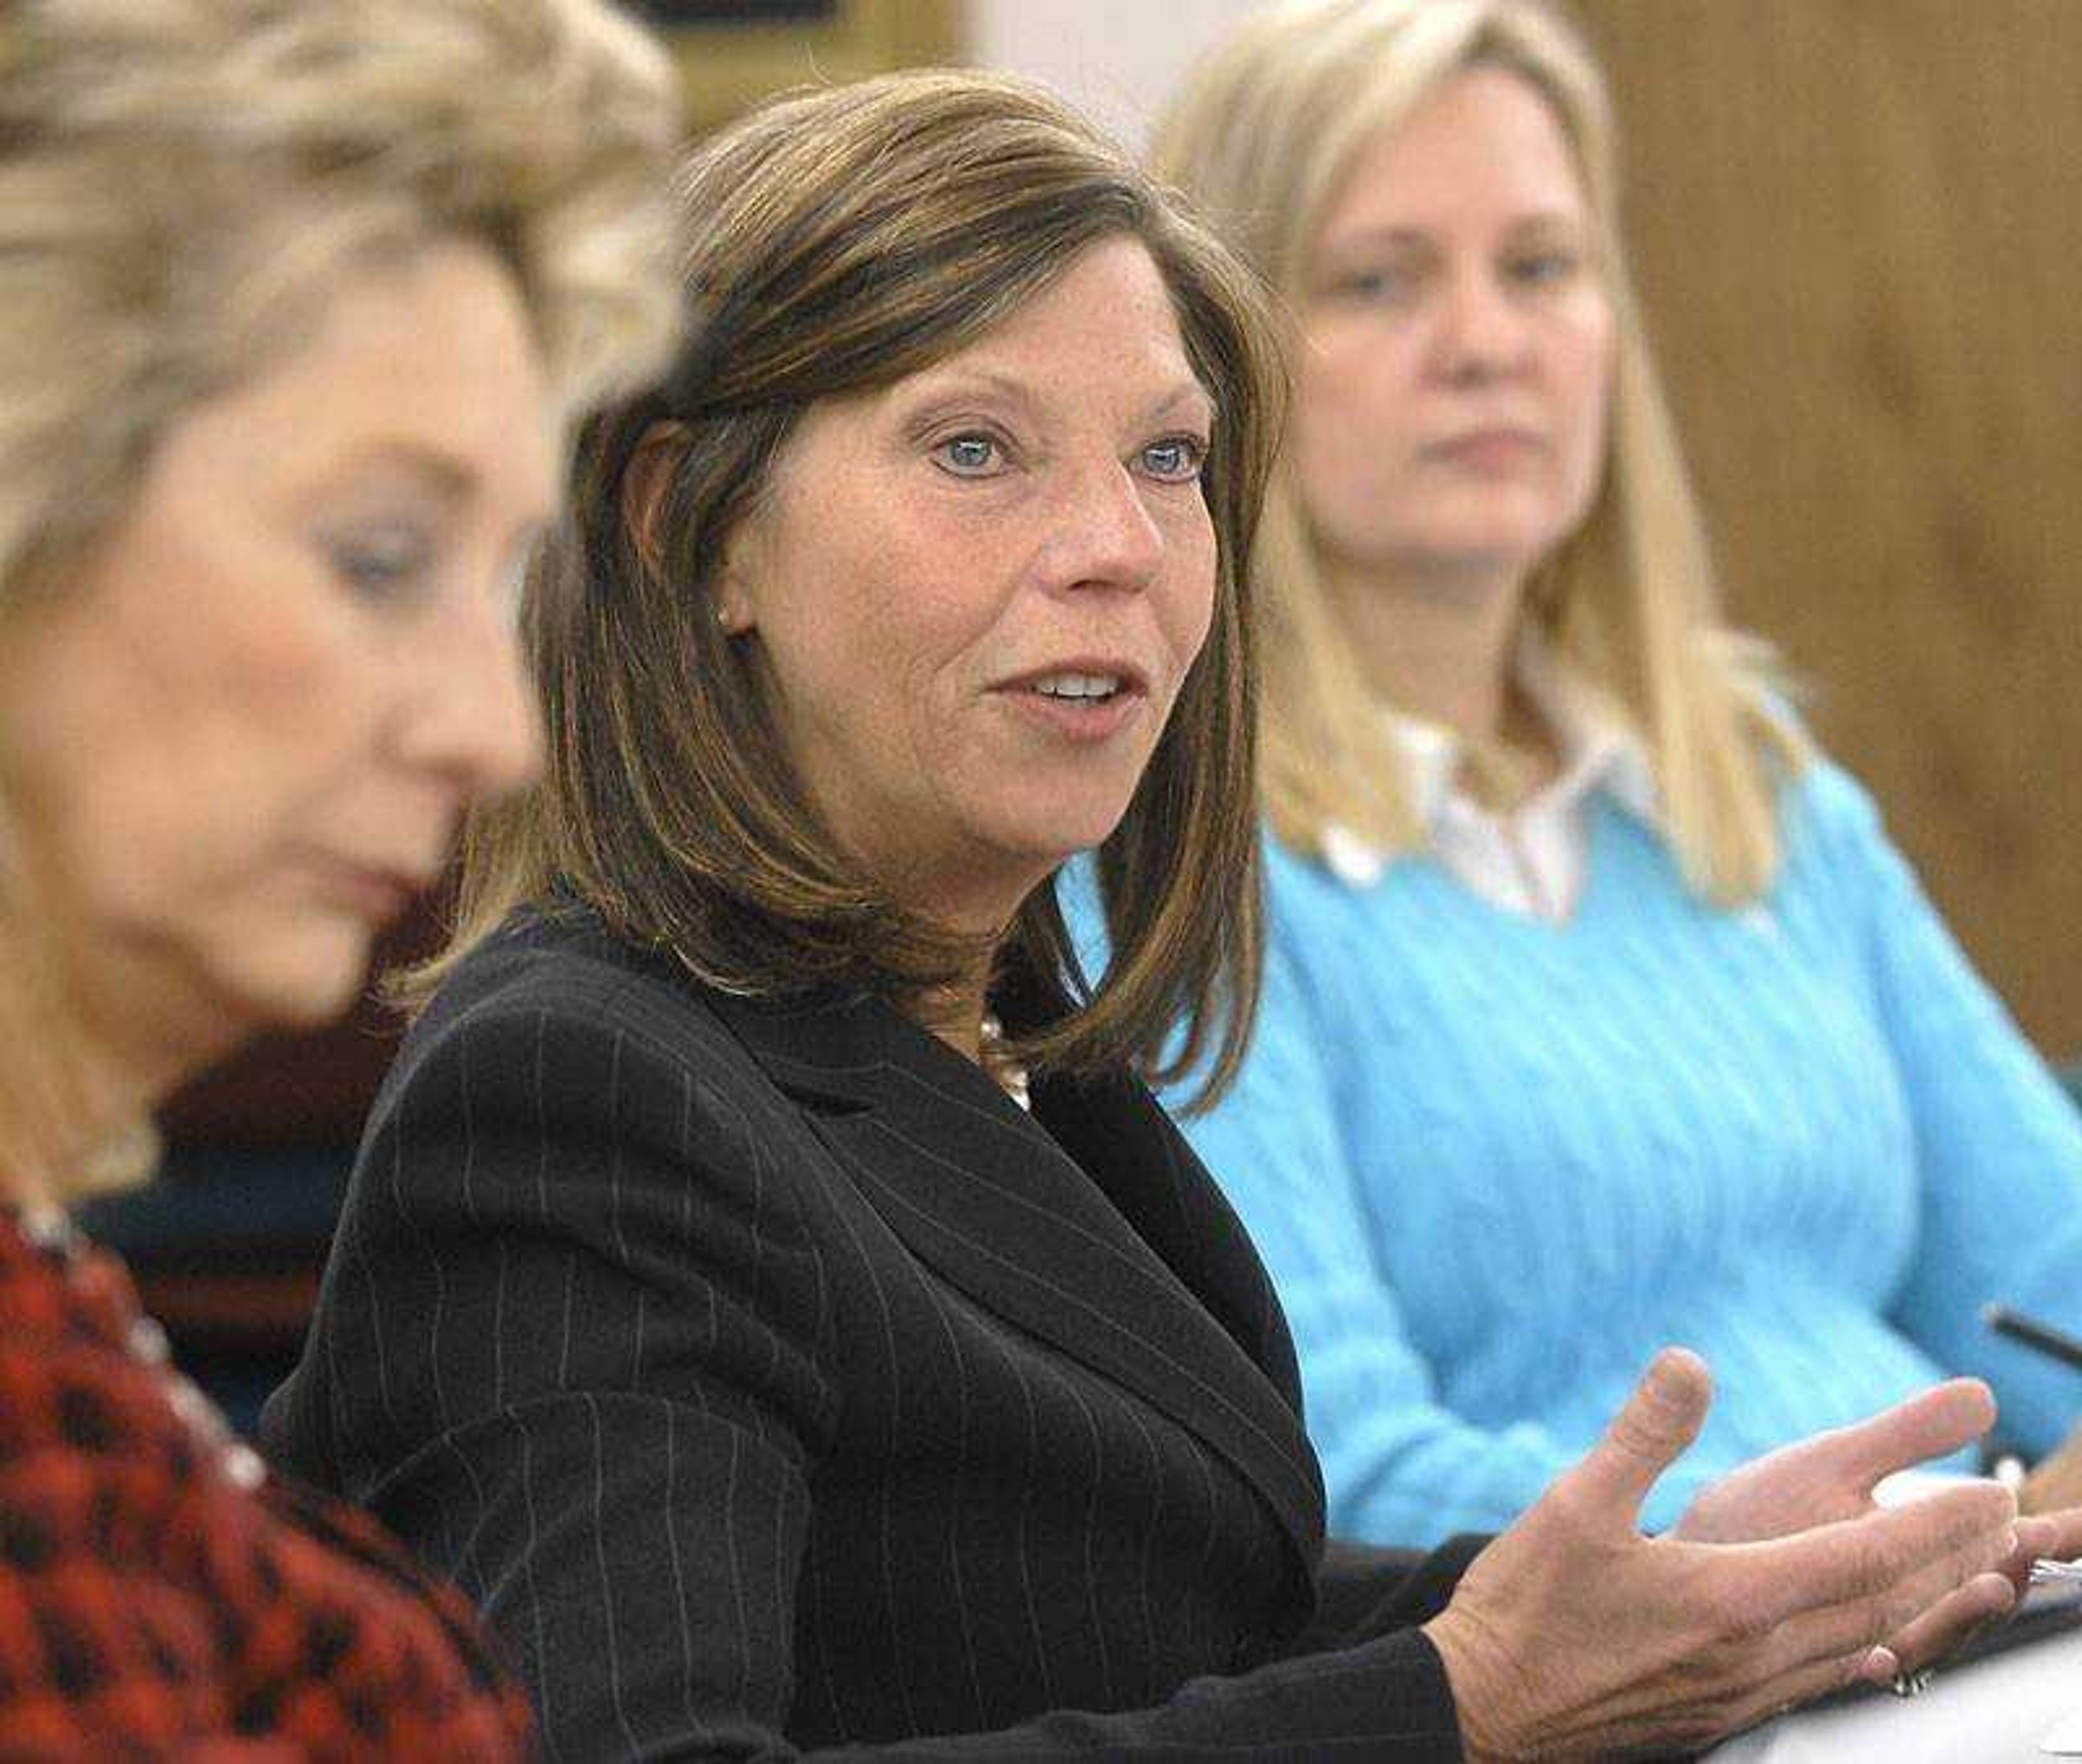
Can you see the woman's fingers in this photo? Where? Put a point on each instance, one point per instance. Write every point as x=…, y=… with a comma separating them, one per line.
x=1573, y=1632
x=1832, y=1476
x=1927, y=1614
x=1658, y=1421
x=1795, y=1686
x=1873, y=1555
x=1946, y=1626
x=2057, y=1534
x=1934, y=1424
x=1924, y=1642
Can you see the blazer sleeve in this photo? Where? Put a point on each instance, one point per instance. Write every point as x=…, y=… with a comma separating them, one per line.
x=587, y=1332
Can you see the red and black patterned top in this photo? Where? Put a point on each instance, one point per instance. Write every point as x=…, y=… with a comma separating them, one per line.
x=160, y=1595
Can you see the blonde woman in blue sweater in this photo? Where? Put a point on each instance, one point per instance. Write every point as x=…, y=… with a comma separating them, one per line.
x=1601, y=1013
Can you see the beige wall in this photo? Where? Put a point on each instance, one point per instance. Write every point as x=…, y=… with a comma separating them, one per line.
x=1859, y=230
x=1119, y=61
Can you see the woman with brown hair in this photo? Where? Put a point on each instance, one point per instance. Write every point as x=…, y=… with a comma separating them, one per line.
x=764, y=1284
x=294, y=297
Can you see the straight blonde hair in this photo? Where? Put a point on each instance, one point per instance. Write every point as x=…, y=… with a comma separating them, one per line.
x=1260, y=135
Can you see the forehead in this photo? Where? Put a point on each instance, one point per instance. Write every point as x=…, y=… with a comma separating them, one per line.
x=1484, y=136
x=1107, y=322
x=431, y=356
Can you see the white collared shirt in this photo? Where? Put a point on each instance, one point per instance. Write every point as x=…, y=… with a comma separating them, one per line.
x=1532, y=862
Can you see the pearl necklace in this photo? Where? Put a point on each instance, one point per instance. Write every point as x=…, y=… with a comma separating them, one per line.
x=53, y=1236
x=1010, y=1073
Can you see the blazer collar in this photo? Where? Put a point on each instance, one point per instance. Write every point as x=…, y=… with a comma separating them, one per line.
x=1090, y=1225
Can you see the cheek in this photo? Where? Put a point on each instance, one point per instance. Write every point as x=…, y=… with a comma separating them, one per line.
x=1335, y=399
x=1592, y=440
x=1183, y=599
x=1584, y=359
x=246, y=753
x=244, y=650
x=1197, y=601
x=1353, y=408
x=280, y=712
x=859, y=667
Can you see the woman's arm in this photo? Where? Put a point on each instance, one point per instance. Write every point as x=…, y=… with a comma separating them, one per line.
x=1998, y=1145
x=580, y=1362
x=580, y=1356
x=1402, y=1465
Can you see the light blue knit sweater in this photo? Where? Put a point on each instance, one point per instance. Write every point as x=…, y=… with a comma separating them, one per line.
x=1493, y=1163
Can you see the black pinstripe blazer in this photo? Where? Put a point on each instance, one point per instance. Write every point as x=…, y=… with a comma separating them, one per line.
x=773, y=1382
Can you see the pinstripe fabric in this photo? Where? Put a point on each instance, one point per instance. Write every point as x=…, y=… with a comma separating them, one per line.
x=774, y=1384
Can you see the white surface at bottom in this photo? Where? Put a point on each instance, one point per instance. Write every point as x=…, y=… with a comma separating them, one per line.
x=1991, y=1711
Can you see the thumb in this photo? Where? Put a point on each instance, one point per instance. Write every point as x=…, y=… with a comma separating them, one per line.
x=1649, y=1434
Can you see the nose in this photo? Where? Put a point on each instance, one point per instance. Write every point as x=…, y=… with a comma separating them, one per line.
x=1482, y=332
x=1104, y=535
x=474, y=720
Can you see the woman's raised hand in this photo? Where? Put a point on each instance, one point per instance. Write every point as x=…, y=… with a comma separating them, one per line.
x=1572, y=1635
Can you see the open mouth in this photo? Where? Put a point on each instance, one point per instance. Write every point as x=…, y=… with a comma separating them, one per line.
x=1087, y=688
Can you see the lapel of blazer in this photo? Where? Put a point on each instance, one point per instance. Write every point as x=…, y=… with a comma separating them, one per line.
x=1118, y=1252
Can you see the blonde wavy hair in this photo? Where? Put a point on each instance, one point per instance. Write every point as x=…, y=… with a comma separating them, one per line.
x=182, y=184
x=1260, y=135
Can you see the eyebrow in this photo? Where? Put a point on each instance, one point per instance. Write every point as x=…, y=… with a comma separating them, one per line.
x=1187, y=392
x=451, y=480
x=1405, y=233
x=969, y=380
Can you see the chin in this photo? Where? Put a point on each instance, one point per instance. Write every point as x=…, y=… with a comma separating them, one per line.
x=1507, y=526
x=1066, y=836
x=302, y=985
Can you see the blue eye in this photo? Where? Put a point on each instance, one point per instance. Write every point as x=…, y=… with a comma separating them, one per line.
x=1543, y=269
x=1377, y=285
x=1177, y=459
x=970, y=455
x=387, y=564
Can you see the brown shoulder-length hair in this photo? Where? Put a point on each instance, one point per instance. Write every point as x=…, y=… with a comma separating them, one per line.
x=835, y=242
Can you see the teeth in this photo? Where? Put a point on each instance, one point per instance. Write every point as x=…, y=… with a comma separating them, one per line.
x=1078, y=685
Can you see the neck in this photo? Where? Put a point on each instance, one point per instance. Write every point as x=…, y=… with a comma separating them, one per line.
x=1439, y=645
x=955, y=1014
x=77, y=1085
x=977, y=905
x=58, y=1123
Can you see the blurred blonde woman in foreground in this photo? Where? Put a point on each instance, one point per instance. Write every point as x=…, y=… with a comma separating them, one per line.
x=1601, y=1012
x=295, y=298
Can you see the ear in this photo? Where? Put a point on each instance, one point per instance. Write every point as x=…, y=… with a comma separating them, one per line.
x=647, y=484
x=646, y=481
x=733, y=606
x=736, y=609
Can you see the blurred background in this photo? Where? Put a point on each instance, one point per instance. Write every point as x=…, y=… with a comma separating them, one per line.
x=1855, y=223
